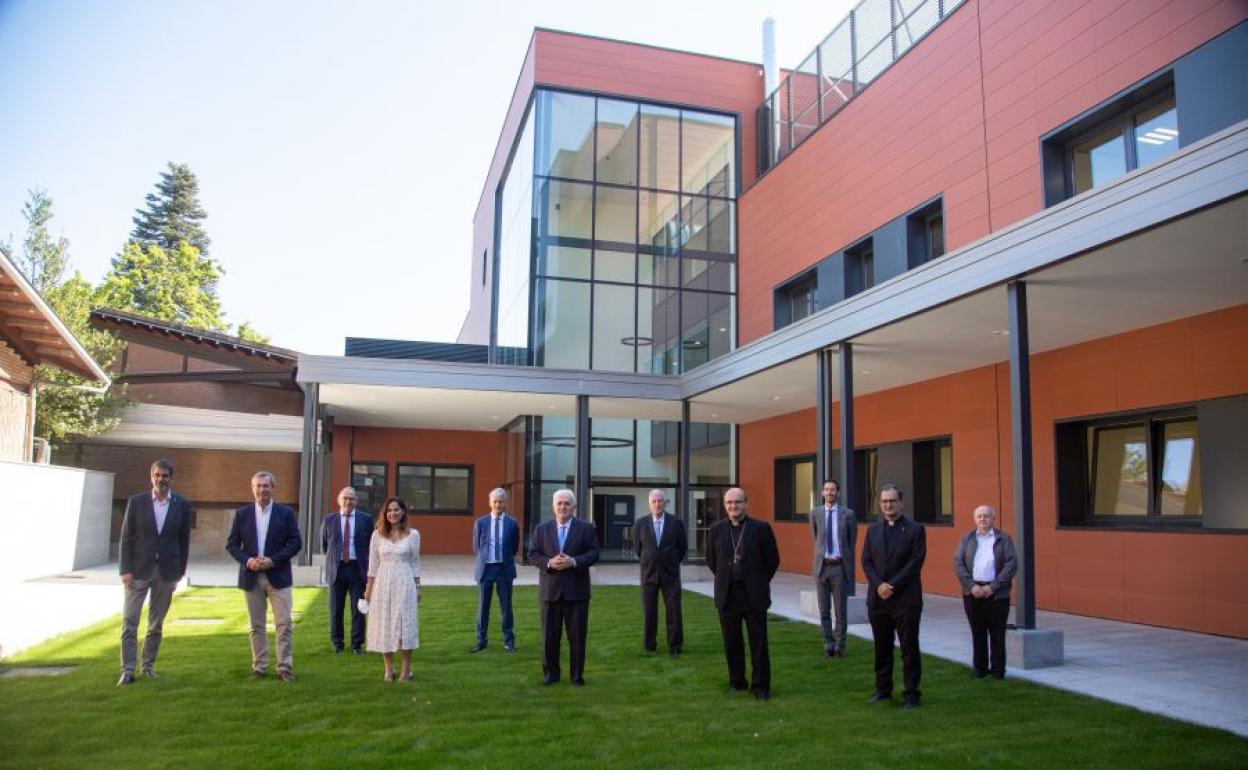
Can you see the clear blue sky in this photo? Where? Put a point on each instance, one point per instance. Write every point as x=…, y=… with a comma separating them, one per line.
x=340, y=146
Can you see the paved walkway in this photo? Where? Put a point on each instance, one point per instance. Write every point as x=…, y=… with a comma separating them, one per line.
x=1182, y=675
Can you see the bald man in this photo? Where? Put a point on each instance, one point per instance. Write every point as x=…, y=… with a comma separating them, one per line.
x=985, y=562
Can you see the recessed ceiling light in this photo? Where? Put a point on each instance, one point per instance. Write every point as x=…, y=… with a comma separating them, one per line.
x=723, y=328
x=865, y=371
x=493, y=417
x=775, y=398
x=1001, y=332
x=714, y=415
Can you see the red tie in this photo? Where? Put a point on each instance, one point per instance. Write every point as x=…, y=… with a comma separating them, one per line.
x=346, y=537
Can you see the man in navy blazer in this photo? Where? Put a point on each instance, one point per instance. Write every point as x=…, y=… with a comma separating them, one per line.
x=563, y=549
x=892, y=559
x=263, y=539
x=495, y=539
x=155, y=545
x=345, y=537
x=661, y=545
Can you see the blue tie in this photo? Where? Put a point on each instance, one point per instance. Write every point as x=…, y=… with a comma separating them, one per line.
x=658, y=531
x=831, y=527
x=563, y=536
x=498, y=546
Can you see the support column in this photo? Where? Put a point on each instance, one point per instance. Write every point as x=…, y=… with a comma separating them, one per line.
x=846, y=365
x=1020, y=432
x=824, y=398
x=682, y=484
x=307, y=469
x=584, y=441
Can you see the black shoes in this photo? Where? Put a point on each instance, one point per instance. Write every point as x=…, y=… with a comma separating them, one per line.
x=578, y=682
x=476, y=648
x=126, y=678
x=337, y=650
x=357, y=650
x=674, y=652
x=762, y=693
x=549, y=680
x=879, y=697
x=911, y=702
x=736, y=687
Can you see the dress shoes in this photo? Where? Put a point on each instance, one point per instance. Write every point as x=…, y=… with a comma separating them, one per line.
x=911, y=702
x=578, y=682
x=126, y=678
x=337, y=650
x=829, y=651
x=879, y=697
x=549, y=680
x=509, y=648
x=474, y=649
x=285, y=676
x=735, y=687
x=357, y=650
x=149, y=674
x=258, y=674
x=978, y=674
x=762, y=693
x=674, y=652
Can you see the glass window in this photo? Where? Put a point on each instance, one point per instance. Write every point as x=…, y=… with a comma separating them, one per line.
x=708, y=152
x=614, y=334
x=708, y=256
x=436, y=488
x=658, y=235
x=415, y=486
x=565, y=135
x=369, y=480
x=1156, y=133
x=615, y=234
x=617, y=142
x=859, y=267
x=1180, y=469
x=1120, y=470
x=706, y=327
x=867, y=483
x=932, y=481
x=562, y=261
x=795, y=488
x=611, y=451
x=554, y=449
x=660, y=147
x=565, y=209
x=561, y=332
x=1100, y=159
x=658, y=334
x=514, y=253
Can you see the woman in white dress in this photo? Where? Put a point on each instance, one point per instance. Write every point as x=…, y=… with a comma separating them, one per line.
x=393, y=589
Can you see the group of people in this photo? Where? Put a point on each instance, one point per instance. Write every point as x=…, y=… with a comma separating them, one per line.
x=374, y=569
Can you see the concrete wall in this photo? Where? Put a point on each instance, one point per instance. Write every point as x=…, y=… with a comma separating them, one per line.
x=65, y=512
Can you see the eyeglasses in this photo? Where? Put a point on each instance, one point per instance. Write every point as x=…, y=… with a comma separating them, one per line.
x=889, y=502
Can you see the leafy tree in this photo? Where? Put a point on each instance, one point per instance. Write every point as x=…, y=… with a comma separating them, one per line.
x=248, y=332
x=176, y=285
x=44, y=258
x=173, y=214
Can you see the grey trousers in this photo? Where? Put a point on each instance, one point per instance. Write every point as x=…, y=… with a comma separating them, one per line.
x=161, y=592
x=830, y=592
x=279, y=600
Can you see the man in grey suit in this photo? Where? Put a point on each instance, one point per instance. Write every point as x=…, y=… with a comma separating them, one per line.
x=661, y=545
x=155, y=544
x=834, y=530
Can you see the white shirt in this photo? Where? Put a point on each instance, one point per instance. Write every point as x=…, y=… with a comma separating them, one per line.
x=985, y=568
x=832, y=514
x=493, y=551
x=161, y=509
x=262, y=526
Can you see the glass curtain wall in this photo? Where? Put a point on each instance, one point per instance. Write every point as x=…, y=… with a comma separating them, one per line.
x=627, y=260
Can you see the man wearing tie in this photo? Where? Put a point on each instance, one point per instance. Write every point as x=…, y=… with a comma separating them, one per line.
x=661, y=545
x=892, y=559
x=834, y=530
x=563, y=549
x=495, y=539
x=742, y=554
x=263, y=539
x=155, y=544
x=345, y=538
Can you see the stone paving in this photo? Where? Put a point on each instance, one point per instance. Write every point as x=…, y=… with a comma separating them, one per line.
x=1193, y=677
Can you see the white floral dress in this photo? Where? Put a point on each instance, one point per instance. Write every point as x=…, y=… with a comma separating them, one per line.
x=392, y=621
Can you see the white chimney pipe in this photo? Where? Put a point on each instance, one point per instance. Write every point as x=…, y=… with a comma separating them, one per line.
x=771, y=72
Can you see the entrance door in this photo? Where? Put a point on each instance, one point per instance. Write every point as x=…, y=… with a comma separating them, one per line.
x=613, y=518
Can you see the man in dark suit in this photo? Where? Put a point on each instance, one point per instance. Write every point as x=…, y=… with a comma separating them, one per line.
x=661, y=545
x=155, y=544
x=263, y=539
x=742, y=554
x=345, y=537
x=892, y=558
x=495, y=539
x=563, y=550
x=833, y=530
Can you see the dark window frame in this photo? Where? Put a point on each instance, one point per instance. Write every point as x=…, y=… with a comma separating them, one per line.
x=385, y=487
x=921, y=494
x=920, y=248
x=434, y=467
x=1079, y=492
x=785, y=294
x=780, y=505
x=859, y=266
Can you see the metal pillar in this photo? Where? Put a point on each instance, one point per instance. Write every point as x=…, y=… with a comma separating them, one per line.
x=846, y=365
x=307, y=469
x=682, y=490
x=824, y=398
x=584, y=442
x=1020, y=431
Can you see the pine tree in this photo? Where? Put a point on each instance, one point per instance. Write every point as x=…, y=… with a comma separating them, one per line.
x=173, y=214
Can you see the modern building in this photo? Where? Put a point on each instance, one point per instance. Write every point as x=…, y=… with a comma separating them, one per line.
x=991, y=251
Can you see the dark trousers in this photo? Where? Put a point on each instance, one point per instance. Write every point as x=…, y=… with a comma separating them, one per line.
x=987, y=618
x=904, y=623
x=650, y=615
x=490, y=581
x=833, y=603
x=348, y=585
x=736, y=612
x=556, y=616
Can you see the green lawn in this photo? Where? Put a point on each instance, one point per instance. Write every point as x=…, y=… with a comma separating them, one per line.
x=490, y=711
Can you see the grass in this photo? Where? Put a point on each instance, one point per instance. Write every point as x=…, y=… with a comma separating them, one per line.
x=489, y=710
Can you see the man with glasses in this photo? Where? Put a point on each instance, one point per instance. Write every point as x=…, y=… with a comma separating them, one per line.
x=345, y=538
x=661, y=545
x=892, y=559
x=495, y=539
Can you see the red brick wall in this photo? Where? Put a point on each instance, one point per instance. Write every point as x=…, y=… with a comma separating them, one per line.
x=1142, y=577
x=948, y=120
x=484, y=451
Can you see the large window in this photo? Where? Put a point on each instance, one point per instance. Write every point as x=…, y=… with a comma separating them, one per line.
x=370, y=482
x=796, y=299
x=445, y=489
x=925, y=234
x=859, y=267
x=628, y=200
x=795, y=488
x=933, y=481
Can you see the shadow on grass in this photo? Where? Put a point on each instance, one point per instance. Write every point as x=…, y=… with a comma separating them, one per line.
x=488, y=710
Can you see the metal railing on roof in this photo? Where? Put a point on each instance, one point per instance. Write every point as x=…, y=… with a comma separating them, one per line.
x=874, y=35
